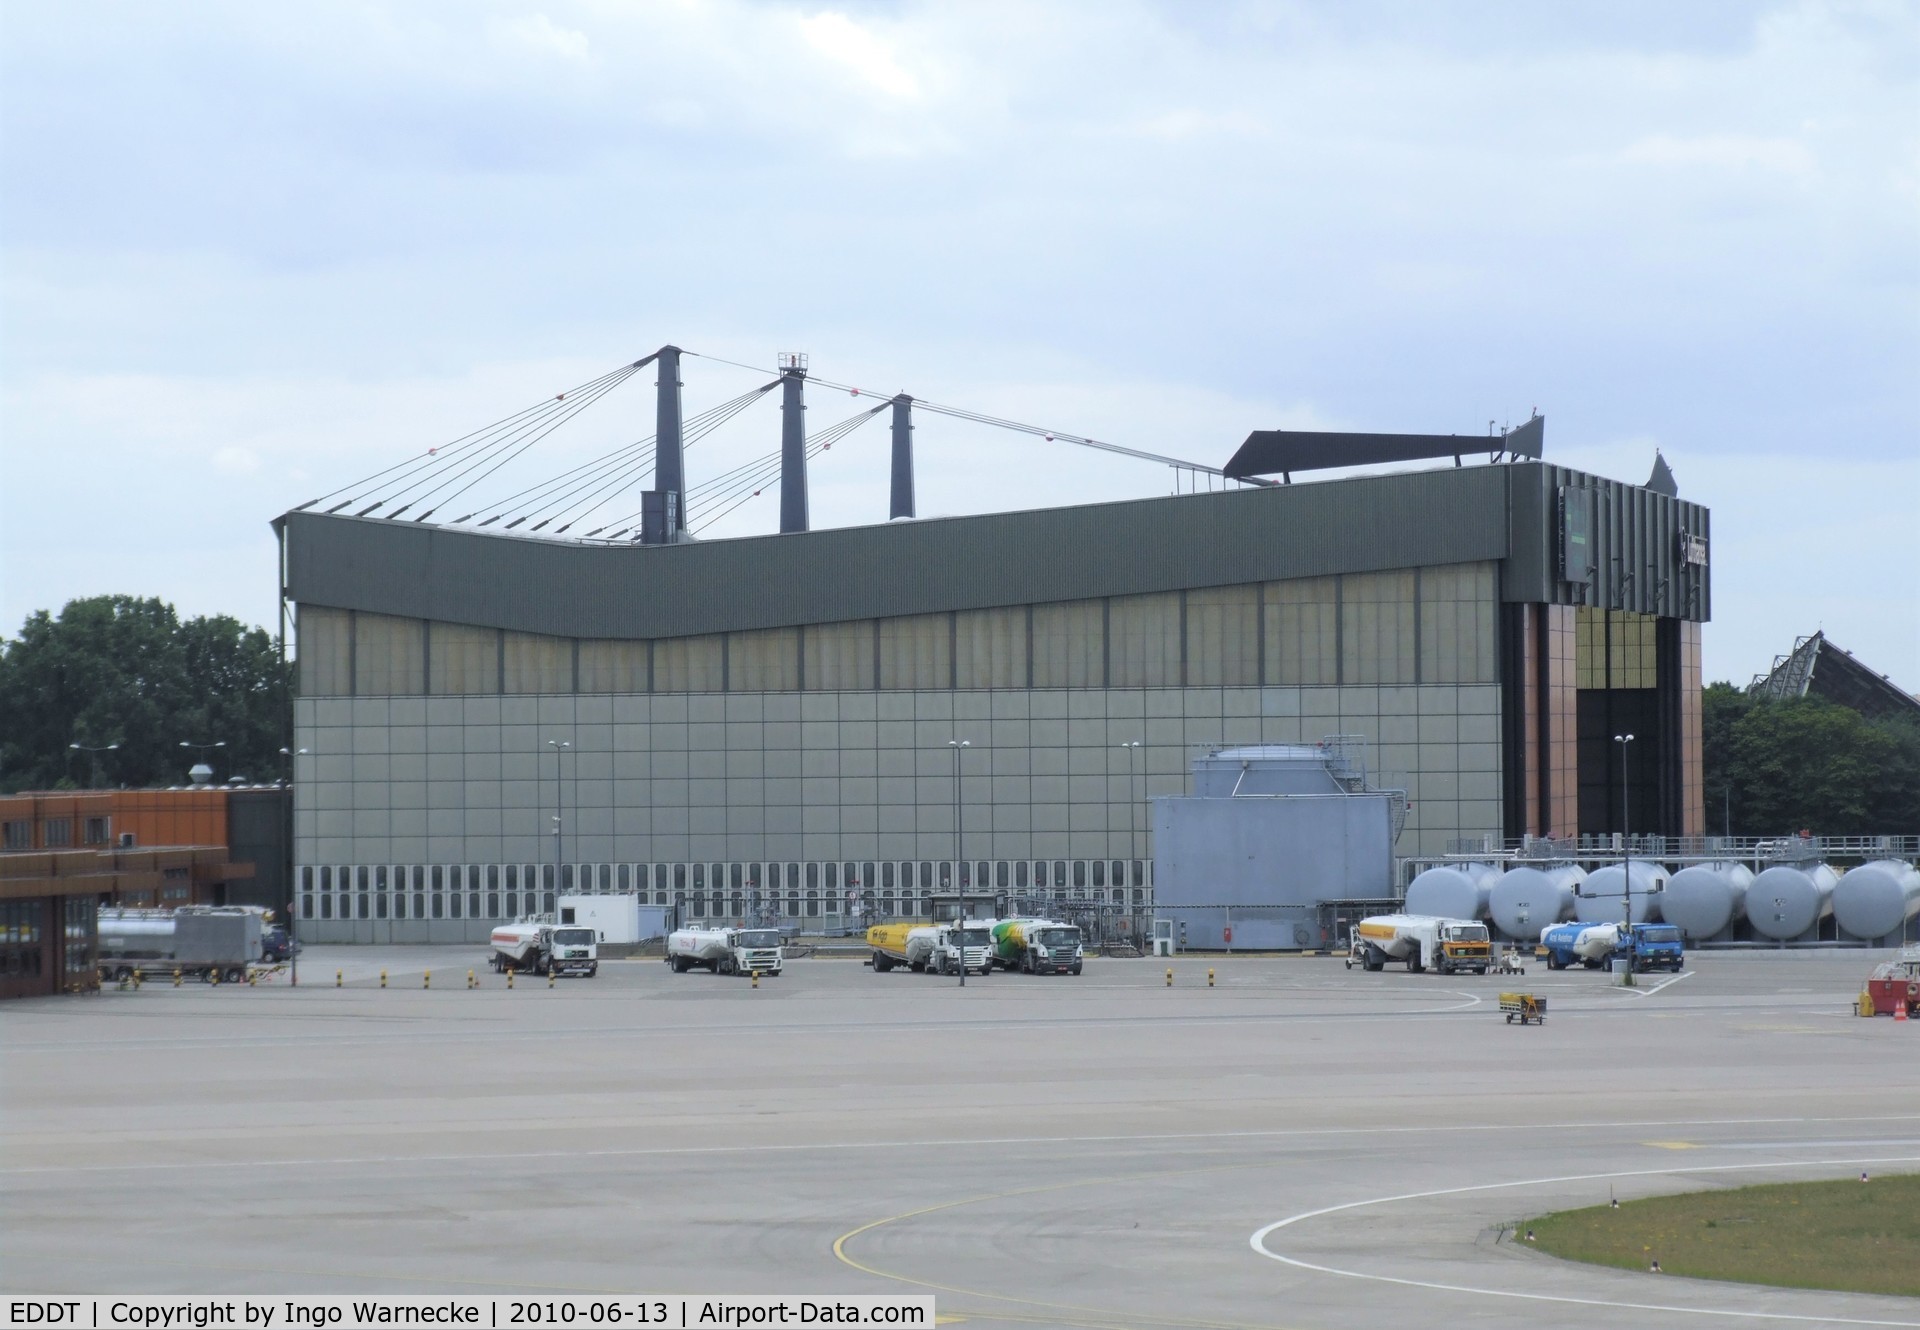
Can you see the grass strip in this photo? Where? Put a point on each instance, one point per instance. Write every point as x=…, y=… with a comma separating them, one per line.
x=1851, y=1236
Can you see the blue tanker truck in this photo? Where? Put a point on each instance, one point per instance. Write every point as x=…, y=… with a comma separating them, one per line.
x=1642, y=947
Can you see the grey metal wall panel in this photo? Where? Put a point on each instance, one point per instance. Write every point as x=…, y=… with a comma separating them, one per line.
x=579, y=590
x=1636, y=545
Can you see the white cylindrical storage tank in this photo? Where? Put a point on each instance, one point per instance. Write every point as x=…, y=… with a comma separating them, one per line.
x=1451, y=891
x=1704, y=899
x=1788, y=900
x=1599, y=898
x=1526, y=900
x=1876, y=899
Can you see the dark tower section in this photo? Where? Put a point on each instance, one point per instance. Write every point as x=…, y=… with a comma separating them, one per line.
x=669, y=471
x=902, y=505
x=793, y=442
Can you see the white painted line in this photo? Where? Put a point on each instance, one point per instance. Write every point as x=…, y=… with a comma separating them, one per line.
x=951, y=1142
x=1659, y=987
x=1258, y=1242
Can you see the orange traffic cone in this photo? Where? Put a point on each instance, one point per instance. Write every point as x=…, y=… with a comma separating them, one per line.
x=1899, y=1011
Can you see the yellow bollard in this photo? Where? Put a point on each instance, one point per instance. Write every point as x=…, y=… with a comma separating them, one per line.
x=470, y=980
x=213, y=978
x=176, y=978
x=426, y=979
x=339, y=978
x=1209, y=976
x=1169, y=978
x=136, y=981
x=509, y=978
x=251, y=978
x=549, y=978
x=383, y=978
x=756, y=978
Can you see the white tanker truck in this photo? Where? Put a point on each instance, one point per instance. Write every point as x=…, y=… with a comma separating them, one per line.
x=215, y=943
x=543, y=947
x=726, y=950
x=1424, y=942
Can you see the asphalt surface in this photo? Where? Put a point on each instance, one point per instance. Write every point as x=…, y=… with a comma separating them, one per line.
x=1299, y=1145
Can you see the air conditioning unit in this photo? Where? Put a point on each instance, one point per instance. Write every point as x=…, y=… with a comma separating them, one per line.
x=127, y=840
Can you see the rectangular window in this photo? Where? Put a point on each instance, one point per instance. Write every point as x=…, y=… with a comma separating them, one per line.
x=613, y=667
x=765, y=660
x=839, y=656
x=420, y=905
x=1002, y=874
x=513, y=905
x=399, y=905
x=1069, y=645
x=306, y=878
x=1302, y=630
x=926, y=876
x=1060, y=872
x=687, y=665
x=537, y=664
x=366, y=905
x=993, y=648
x=699, y=905
x=453, y=905
x=1376, y=628
x=18, y=835
x=1019, y=872
x=326, y=907
x=389, y=655
x=1223, y=636
x=1079, y=872
x=736, y=876
x=58, y=832
x=95, y=831
x=493, y=877
x=867, y=878
x=1099, y=872
x=380, y=906
x=324, y=649
x=464, y=659
x=916, y=652
x=626, y=877
x=493, y=905
x=886, y=876
x=1146, y=641
x=326, y=877
x=439, y=878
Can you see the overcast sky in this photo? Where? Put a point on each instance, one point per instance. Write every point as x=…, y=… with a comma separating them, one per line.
x=252, y=252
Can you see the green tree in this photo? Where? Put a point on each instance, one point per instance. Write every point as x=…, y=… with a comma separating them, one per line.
x=1807, y=764
x=126, y=670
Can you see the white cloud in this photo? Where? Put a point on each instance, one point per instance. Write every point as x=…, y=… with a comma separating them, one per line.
x=541, y=35
x=846, y=43
x=1722, y=151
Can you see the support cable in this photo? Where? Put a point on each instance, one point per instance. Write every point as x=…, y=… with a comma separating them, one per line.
x=441, y=453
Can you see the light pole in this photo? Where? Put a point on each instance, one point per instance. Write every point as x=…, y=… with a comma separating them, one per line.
x=559, y=791
x=959, y=855
x=1626, y=858
x=93, y=755
x=293, y=945
x=1133, y=809
x=202, y=749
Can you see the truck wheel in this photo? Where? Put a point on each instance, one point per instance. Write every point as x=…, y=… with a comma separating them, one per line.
x=725, y=967
x=1076, y=969
x=881, y=964
x=593, y=969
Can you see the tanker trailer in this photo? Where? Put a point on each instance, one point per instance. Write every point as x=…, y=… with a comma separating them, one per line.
x=200, y=941
x=1451, y=891
x=1423, y=942
x=1875, y=900
x=1598, y=901
x=1703, y=900
x=1579, y=944
x=1788, y=901
x=1527, y=899
x=901, y=944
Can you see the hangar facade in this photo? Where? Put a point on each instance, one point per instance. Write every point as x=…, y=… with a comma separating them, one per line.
x=767, y=724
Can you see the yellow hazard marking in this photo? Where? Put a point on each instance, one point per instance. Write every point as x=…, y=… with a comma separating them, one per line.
x=1671, y=1145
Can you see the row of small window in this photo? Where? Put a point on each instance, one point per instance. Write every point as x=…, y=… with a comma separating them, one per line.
x=884, y=875
x=56, y=833
x=399, y=903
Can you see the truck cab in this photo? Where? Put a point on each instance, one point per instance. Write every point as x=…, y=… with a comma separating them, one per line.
x=1651, y=947
x=957, y=947
x=571, y=950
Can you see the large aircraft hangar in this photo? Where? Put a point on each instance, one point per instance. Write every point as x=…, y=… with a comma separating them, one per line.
x=772, y=725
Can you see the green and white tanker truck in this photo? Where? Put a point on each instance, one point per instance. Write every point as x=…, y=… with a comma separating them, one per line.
x=1038, y=946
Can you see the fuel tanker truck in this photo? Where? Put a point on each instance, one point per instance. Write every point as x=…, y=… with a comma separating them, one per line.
x=211, y=942
x=1640, y=946
x=1038, y=946
x=538, y=945
x=726, y=950
x=901, y=944
x=1424, y=942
